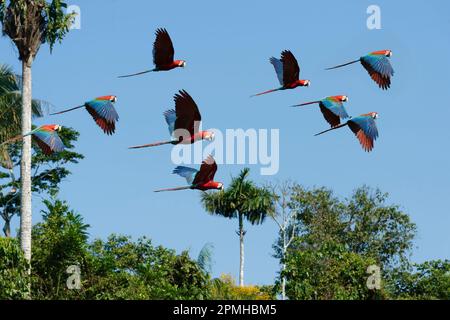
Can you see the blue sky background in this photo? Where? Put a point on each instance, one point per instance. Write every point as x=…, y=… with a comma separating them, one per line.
x=227, y=45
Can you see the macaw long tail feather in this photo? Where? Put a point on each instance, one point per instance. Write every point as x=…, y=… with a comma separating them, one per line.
x=136, y=74
x=343, y=65
x=305, y=104
x=334, y=128
x=174, y=189
x=64, y=111
x=12, y=140
x=265, y=92
x=151, y=145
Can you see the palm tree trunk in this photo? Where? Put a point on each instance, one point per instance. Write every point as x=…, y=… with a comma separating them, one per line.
x=25, y=164
x=241, y=243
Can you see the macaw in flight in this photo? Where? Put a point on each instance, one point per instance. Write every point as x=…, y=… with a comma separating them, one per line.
x=46, y=137
x=102, y=111
x=364, y=128
x=332, y=109
x=163, y=54
x=288, y=73
x=377, y=65
x=183, y=122
x=202, y=179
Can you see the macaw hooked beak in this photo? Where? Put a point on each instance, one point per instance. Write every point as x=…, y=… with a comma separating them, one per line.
x=211, y=136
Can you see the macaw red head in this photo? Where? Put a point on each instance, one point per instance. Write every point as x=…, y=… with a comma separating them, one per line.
x=208, y=135
x=374, y=115
x=341, y=98
x=53, y=127
x=304, y=83
x=220, y=186
x=113, y=99
x=180, y=63
x=387, y=53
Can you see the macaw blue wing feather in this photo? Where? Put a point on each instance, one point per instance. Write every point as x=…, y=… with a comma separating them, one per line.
x=171, y=117
x=336, y=107
x=104, y=114
x=365, y=130
x=49, y=141
x=105, y=109
x=380, y=64
x=278, y=65
x=368, y=125
x=186, y=172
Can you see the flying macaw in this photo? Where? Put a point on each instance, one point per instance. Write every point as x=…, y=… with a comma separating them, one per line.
x=202, y=179
x=288, y=73
x=102, y=111
x=332, y=109
x=46, y=137
x=377, y=65
x=364, y=127
x=183, y=122
x=163, y=53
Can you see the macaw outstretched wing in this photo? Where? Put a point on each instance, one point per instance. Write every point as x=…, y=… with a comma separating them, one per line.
x=187, y=173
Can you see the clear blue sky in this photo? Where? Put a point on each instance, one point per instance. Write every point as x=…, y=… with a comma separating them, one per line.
x=227, y=45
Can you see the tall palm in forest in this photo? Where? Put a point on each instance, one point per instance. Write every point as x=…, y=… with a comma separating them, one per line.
x=241, y=200
x=29, y=24
x=11, y=120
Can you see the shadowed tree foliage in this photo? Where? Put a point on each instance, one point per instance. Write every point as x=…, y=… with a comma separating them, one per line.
x=241, y=200
x=13, y=270
x=59, y=242
x=327, y=272
x=426, y=281
x=11, y=107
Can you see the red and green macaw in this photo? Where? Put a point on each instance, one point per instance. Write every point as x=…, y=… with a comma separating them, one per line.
x=288, y=72
x=46, y=137
x=377, y=65
x=332, y=109
x=183, y=122
x=102, y=111
x=364, y=128
x=163, y=55
x=202, y=179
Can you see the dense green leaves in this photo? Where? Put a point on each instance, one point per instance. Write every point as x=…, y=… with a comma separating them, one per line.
x=336, y=240
x=428, y=280
x=123, y=269
x=13, y=270
x=59, y=242
x=117, y=268
x=365, y=224
x=326, y=272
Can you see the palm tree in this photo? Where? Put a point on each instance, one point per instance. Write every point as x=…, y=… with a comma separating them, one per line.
x=10, y=126
x=242, y=199
x=30, y=23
